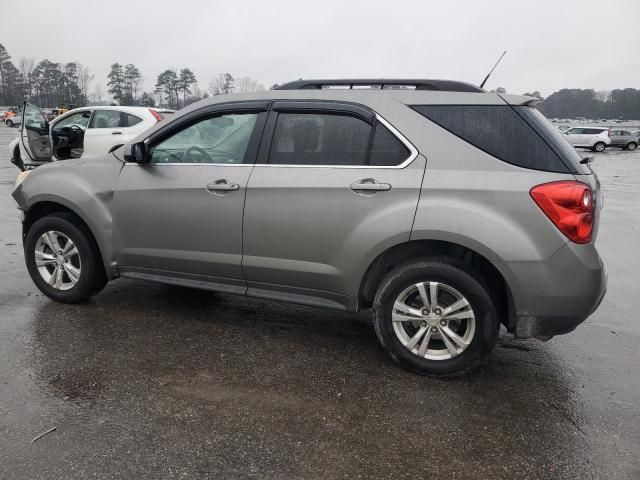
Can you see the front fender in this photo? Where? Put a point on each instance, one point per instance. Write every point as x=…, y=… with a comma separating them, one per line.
x=85, y=188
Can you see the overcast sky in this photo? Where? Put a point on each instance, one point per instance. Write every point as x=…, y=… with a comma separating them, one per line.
x=551, y=43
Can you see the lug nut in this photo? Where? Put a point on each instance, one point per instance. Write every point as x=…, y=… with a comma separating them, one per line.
x=425, y=312
x=443, y=323
x=434, y=329
x=437, y=311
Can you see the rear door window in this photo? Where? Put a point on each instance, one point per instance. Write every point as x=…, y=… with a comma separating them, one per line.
x=106, y=119
x=334, y=140
x=502, y=131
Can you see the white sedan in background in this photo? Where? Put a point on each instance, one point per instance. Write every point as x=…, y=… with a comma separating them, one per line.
x=80, y=133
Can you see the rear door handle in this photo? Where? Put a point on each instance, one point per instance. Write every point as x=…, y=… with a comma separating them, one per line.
x=116, y=133
x=370, y=185
x=217, y=187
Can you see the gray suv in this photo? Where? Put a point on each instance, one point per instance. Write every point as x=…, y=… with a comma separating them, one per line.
x=446, y=210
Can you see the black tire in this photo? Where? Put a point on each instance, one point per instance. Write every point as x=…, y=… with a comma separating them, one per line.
x=599, y=147
x=453, y=273
x=92, y=276
x=9, y=123
x=631, y=146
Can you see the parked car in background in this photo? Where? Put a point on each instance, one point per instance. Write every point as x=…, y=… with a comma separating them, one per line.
x=636, y=134
x=595, y=138
x=81, y=133
x=324, y=197
x=623, y=139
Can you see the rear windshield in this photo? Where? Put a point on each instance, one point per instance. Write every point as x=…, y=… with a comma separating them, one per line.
x=519, y=135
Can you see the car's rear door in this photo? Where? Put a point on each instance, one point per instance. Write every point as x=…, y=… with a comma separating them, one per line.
x=180, y=215
x=105, y=130
x=333, y=183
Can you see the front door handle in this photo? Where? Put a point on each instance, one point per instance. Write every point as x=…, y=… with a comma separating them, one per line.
x=219, y=187
x=370, y=185
x=116, y=133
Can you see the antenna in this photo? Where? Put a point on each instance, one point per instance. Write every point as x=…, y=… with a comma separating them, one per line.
x=494, y=67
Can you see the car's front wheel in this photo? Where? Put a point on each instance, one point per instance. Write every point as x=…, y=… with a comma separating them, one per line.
x=9, y=123
x=599, y=147
x=434, y=318
x=62, y=259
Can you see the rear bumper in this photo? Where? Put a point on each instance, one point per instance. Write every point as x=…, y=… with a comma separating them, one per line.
x=555, y=296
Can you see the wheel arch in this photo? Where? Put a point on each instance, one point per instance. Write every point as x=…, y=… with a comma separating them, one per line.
x=43, y=208
x=423, y=248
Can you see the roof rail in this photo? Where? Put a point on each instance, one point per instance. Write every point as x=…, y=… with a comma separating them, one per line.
x=381, y=83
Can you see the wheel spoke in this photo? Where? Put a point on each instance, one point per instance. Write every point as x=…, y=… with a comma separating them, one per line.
x=433, y=292
x=54, y=276
x=461, y=342
x=399, y=317
x=44, y=259
x=455, y=307
x=423, y=294
x=425, y=344
x=59, y=274
x=450, y=346
x=72, y=251
x=68, y=249
x=413, y=341
x=460, y=315
x=52, y=242
x=407, y=309
x=72, y=272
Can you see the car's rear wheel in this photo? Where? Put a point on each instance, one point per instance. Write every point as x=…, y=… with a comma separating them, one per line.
x=62, y=259
x=599, y=147
x=434, y=318
x=631, y=146
x=9, y=123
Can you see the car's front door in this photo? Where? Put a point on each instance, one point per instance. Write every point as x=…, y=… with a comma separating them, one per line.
x=105, y=130
x=180, y=214
x=333, y=184
x=576, y=136
x=34, y=135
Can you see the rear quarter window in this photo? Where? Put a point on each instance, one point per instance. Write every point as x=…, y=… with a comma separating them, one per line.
x=501, y=131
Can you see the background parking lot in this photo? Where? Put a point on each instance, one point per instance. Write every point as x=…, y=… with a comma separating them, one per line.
x=152, y=381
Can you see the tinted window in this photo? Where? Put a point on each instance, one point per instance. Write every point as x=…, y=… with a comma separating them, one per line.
x=625, y=133
x=106, y=119
x=575, y=131
x=592, y=131
x=220, y=139
x=387, y=149
x=131, y=120
x=497, y=130
x=319, y=139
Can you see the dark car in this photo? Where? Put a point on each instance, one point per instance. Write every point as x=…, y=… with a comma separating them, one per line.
x=623, y=139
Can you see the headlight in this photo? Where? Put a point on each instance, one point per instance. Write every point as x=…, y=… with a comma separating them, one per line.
x=20, y=178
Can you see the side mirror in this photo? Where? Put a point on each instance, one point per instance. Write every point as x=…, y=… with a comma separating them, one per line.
x=136, y=152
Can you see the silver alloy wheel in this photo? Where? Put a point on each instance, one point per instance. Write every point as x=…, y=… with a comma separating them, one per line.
x=600, y=147
x=631, y=147
x=433, y=320
x=58, y=260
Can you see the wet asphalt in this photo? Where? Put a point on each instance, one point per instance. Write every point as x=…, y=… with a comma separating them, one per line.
x=147, y=381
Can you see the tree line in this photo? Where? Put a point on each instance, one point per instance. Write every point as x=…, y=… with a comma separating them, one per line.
x=49, y=84
x=588, y=103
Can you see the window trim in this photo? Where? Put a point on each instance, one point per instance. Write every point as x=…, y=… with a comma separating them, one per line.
x=265, y=147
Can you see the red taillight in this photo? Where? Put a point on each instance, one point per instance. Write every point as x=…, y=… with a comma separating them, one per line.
x=156, y=115
x=569, y=205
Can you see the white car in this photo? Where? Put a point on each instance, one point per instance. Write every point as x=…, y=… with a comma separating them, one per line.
x=595, y=138
x=80, y=133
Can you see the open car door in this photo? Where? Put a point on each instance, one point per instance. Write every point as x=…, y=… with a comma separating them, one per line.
x=34, y=136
